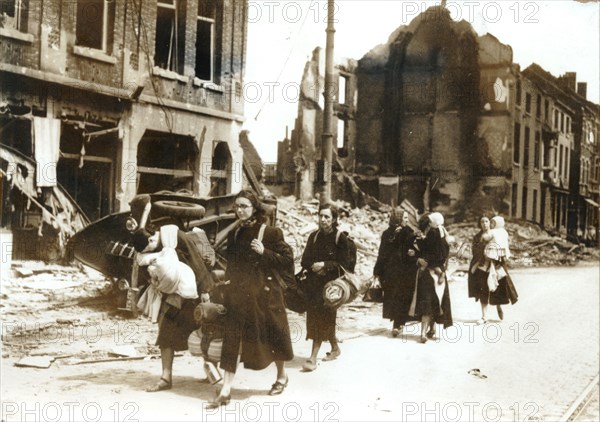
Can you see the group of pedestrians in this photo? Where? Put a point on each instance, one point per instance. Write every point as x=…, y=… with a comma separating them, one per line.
x=411, y=268
x=259, y=261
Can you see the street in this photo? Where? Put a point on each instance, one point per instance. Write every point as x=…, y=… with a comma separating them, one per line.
x=531, y=366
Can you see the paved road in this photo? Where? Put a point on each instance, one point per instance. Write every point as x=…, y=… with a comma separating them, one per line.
x=535, y=363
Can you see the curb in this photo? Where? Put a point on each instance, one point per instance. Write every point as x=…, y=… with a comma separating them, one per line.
x=579, y=404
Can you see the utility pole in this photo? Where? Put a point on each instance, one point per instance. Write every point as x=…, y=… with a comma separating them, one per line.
x=330, y=96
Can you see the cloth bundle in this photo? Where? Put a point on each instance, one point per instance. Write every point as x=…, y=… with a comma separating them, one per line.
x=343, y=289
x=168, y=275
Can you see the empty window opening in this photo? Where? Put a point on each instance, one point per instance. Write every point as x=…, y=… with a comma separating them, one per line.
x=221, y=169
x=95, y=24
x=206, y=30
x=165, y=162
x=15, y=14
x=170, y=35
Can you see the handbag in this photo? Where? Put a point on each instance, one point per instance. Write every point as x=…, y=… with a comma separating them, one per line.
x=374, y=294
x=293, y=295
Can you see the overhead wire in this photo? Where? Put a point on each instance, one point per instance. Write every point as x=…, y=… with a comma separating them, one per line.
x=287, y=59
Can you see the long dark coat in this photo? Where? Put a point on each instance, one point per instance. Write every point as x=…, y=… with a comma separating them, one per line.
x=397, y=272
x=433, y=249
x=323, y=247
x=256, y=316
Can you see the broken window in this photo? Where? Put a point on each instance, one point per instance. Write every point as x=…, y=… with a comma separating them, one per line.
x=207, y=29
x=517, y=144
x=524, y=204
x=221, y=169
x=538, y=107
x=528, y=103
x=534, y=212
x=15, y=14
x=515, y=194
x=165, y=162
x=526, y=149
x=518, y=93
x=342, y=89
x=86, y=169
x=95, y=24
x=170, y=35
x=536, y=151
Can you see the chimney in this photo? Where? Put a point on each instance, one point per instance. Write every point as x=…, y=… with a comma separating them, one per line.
x=568, y=80
x=582, y=89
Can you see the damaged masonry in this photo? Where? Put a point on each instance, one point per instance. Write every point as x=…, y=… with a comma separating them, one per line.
x=114, y=99
x=452, y=124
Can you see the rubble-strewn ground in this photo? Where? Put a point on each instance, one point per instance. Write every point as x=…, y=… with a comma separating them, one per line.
x=530, y=245
x=65, y=316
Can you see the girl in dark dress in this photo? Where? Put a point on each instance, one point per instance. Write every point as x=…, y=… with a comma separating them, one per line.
x=326, y=252
x=396, y=268
x=256, y=326
x=478, y=269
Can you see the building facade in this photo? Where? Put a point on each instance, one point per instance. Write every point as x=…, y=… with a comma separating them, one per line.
x=118, y=97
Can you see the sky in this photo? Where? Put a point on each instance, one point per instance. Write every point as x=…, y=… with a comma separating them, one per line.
x=559, y=35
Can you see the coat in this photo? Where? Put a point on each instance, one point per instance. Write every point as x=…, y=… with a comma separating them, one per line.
x=397, y=271
x=336, y=252
x=256, y=316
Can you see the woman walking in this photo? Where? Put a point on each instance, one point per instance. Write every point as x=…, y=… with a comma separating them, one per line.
x=396, y=268
x=256, y=328
x=497, y=251
x=431, y=301
x=326, y=256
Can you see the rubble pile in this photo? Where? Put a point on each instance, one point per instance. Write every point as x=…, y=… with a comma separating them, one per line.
x=530, y=245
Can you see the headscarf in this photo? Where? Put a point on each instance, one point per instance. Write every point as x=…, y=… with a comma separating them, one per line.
x=396, y=217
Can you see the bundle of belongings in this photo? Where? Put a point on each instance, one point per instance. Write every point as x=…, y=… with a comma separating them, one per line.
x=168, y=275
x=207, y=341
x=343, y=289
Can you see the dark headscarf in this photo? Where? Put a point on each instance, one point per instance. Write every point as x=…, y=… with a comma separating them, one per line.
x=139, y=239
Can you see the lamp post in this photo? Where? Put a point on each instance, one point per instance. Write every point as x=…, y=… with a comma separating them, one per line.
x=330, y=95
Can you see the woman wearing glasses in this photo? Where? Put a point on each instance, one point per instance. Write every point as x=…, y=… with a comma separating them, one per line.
x=256, y=328
x=326, y=252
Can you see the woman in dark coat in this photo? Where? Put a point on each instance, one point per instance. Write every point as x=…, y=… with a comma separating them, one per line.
x=176, y=315
x=431, y=301
x=256, y=320
x=326, y=252
x=396, y=268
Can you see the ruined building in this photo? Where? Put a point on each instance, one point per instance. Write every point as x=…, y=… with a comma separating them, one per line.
x=116, y=97
x=444, y=118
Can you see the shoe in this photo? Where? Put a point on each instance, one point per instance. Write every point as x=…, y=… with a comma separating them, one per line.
x=481, y=321
x=500, y=313
x=395, y=332
x=161, y=385
x=278, y=387
x=219, y=401
x=423, y=340
x=430, y=334
x=309, y=366
x=333, y=355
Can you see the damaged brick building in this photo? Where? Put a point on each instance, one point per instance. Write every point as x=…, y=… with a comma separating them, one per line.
x=117, y=97
x=444, y=118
